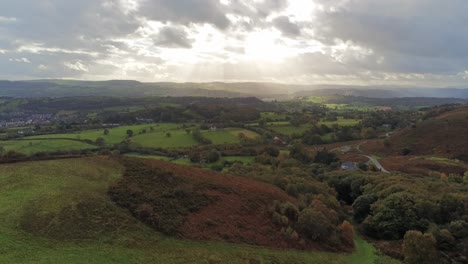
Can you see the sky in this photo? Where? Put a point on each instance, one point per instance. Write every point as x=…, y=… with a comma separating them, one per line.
x=356, y=42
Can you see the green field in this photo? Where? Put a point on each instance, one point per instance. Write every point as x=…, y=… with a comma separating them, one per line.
x=177, y=139
x=273, y=116
x=228, y=135
x=341, y=122
x=286, y=129
x=116, y=134
x=354, y=106
x=43, y=221
x=317, y=99
x=155, y=137
x=29, y=147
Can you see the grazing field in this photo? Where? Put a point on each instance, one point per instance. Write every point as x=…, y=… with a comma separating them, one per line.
x=355, y=107
x=228, y=135
x=317, y=99
x=286, y=129
x=116, y=134
x=177, y=139
x=33, y=193
x=273, y=116
x=341, y=122
x=47, y=145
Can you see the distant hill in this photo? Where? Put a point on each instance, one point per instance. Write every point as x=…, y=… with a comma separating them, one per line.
x=383, y=92
x=129, y=88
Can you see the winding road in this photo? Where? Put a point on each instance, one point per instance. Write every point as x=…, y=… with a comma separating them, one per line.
x=376, y=163
x=371, y=158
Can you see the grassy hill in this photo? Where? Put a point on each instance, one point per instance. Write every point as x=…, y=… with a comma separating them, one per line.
x=59, y=212
x=443, y=135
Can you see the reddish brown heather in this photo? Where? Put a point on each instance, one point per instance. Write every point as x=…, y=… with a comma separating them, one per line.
x=240, y=212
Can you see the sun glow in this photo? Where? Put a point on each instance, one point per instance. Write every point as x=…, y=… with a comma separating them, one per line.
x=266, y=46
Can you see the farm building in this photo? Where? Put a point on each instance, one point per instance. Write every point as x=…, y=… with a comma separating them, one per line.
x=349, y=166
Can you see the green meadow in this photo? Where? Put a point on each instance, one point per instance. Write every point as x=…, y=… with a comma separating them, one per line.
x=116, y=134
x=29, y=147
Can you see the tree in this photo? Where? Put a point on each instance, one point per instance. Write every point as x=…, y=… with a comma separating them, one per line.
x=393, y=217
x=106, y=132
x=459, y=228
x=314, y=225
x=262, y=123
x=325, y=157
x=420, y=248
x=368, y=132
x=362, y=206
x=212, y=156
x=347, y=233
x=297, y=152
x=100, y=142
x=129, y=133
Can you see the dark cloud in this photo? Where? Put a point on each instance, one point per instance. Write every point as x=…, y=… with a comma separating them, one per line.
x=185, y=11
x=61, y=22
x=286, y=27
x=411, y=35
x=173, y=37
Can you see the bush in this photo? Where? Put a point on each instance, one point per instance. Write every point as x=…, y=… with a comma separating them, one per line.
x=419, y=248
x=459, y=229
x=347, y=233
x=396, y=215
x=445, y=240
x=405, y=151
x=314, y=225
x=362, y=206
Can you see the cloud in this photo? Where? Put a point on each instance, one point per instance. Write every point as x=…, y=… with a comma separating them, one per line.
x=408, y=34
x=77, y=66
x=347, y=41
x=172, y=37
x=286, y=27
x=7, y=19
x=185, y=11
x=21, y=60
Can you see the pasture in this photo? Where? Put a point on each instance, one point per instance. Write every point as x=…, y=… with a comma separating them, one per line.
x=29, y=147
x=116, y=134
x=228, y=135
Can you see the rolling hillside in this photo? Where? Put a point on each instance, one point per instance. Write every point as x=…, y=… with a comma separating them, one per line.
x=442, y=135
x=59, y=211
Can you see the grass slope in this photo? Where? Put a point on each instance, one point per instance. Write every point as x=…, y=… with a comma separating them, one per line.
x=33, y=146
x=62, y=184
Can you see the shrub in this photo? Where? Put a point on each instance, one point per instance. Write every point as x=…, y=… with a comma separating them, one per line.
x=347, y=233
x=314, y=225
x=362, y=206
x=445, y=240
x=405, y=151
x=459, y=229
x=419, y=248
